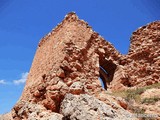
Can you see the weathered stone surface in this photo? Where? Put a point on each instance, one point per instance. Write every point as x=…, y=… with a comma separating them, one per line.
x=143, y=60
x=68, y=60
x=85, y=107
x=29, y=111
x=7, y=116
x=76, y=88
x=151, y=93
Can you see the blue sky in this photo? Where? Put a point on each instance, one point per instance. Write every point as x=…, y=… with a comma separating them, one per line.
x=24, y=22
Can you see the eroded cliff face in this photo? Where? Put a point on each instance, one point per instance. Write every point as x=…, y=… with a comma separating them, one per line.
x=68, y=63
x=141, y=66
x=143, y=58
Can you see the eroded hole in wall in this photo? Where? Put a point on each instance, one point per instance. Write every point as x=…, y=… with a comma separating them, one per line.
x=104, y=77
x=106, y=72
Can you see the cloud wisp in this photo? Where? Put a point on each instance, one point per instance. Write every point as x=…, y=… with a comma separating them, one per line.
x=3, y=82
x=22, y=80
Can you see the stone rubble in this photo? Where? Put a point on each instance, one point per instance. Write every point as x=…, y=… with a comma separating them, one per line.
x=85, y=107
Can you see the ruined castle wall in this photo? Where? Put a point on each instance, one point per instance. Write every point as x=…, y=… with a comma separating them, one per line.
x=67, y=60
x=144, y=55
x=62, y=55
x=50, y=50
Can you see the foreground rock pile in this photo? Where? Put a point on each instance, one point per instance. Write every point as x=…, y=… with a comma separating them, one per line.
x=63, y=80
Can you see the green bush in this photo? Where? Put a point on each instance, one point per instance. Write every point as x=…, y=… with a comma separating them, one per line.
x=134, y=94
x=150, y=100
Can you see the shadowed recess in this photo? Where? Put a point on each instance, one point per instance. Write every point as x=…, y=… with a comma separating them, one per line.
x=107, y=71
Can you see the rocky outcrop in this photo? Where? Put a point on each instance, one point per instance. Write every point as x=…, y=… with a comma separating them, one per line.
x=85, y=107
x=140, y=67
x=154, y=92
x=63, y=80
x=7, y=116
x=30, y=111
x=67, y=61
x=143, y=59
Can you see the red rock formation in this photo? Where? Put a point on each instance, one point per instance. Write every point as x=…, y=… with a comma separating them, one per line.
x=141, y=66
x=144, y=55
x=69, y=58
x=67, y=61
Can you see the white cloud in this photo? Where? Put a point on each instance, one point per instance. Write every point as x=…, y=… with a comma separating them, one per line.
x=3, y=82
x=22, y=79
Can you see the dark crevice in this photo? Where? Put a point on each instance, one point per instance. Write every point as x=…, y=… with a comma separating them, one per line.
x=107, y=70
x=66, y=117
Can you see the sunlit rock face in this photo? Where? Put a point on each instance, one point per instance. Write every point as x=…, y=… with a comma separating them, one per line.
x=143, y=59
x=68, y=61
x=141, y=66
x=68, y=64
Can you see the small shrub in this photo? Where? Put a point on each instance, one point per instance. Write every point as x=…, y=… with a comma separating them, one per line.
x=137, y=110
x=134, y=93
x=150, y=100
